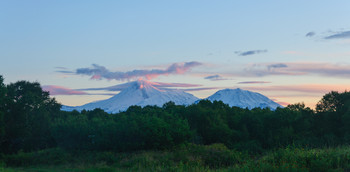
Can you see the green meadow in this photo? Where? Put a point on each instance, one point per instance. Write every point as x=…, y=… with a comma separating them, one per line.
x=190, y=157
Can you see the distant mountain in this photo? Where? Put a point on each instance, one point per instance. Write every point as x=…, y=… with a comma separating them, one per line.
x=243, y=99
x=141, y=93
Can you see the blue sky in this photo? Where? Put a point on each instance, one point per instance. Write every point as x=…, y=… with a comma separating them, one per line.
x=281, y=49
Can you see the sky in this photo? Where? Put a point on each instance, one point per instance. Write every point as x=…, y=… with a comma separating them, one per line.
x=292, y=52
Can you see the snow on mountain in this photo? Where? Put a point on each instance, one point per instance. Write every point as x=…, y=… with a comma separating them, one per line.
x=243, y=99
x=140, y=93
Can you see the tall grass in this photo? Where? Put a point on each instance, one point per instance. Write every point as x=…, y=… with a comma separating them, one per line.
x=190, y=157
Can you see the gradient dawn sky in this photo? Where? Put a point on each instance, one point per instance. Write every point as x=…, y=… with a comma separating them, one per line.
x=292, y=52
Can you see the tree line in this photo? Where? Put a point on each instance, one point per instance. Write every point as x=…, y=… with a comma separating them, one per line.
x=31, y=120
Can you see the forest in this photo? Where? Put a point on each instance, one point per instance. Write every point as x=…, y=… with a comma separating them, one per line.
x=35, y=135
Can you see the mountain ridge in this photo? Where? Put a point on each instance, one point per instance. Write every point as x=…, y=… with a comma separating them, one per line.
x=140, y=93
x=243, y=98
x=143, y=93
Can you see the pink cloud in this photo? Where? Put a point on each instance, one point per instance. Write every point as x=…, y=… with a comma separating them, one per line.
x=100, y=72
x=160, y=85
x=59, y=90
x=254, y=82
x=163, y=84
x=96, y=77
x=283, y=103
x=200, y=89
x=310, y=94
x=305, y=88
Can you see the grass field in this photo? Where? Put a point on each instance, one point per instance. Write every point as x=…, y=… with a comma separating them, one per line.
x=214, y=157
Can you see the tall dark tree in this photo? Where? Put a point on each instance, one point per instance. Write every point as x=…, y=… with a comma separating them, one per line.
x=3, y=91
x=299, y=107
x=330, y=102
x=333, y=116
x=27, y=117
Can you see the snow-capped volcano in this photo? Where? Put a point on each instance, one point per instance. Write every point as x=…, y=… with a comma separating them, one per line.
x=243, y=99
x=140, y=93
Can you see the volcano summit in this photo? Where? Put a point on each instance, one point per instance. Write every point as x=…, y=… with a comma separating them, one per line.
x=140, y=93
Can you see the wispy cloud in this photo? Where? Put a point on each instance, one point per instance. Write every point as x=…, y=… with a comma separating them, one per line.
x=59, y=90
x=60, y=67
x=266, y=69
x=250, y=52
x=100, y=72
x=162, y=85
x=283, y=103
x=159, y=85
x=254, y=82
x=310, y=93
x=65, y=71
x=215, y=78
x=302, y=68
x=280, y=102
x=56, y=90
x=276, y=65
x=339, y=35
x=310, y=34
x=303, y=88
x=201, y=89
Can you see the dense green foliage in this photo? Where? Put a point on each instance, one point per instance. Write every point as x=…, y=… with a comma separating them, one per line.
x=97, y=130
x=30, y=121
